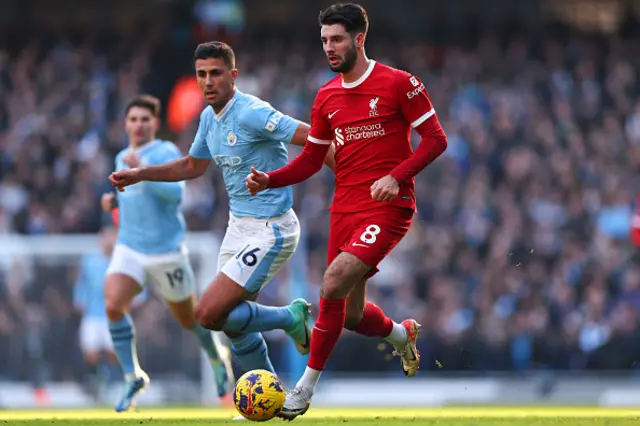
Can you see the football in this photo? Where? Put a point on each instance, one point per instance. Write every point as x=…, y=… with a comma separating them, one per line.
x=259, y=395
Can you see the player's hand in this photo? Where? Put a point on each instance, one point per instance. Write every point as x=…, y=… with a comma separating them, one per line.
x=385, y=189
x=257, y=181
x=123, y=178
x=132, y=159
x=107, y=201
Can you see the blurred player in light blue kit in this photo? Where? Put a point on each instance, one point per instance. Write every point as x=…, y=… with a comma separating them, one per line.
x=88, y=299
x=238, y=131
x=150, y=250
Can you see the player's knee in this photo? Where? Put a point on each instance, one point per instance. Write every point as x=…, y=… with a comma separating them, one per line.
x=200, y=312
x=334, y=284
x=115, y=310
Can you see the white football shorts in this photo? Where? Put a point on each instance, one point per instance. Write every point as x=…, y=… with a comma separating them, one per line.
x=254, y=250
x=94, y=335
x=169, y=273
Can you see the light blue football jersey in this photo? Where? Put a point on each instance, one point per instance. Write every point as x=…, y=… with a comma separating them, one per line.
x=150, y=218
x=88, y=292
x=247, y=132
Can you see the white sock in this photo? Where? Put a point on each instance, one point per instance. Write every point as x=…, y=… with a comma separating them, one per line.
x=309, y=379
x=398, y=337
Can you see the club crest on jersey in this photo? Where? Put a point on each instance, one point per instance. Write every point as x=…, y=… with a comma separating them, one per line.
x=373, y=107
x=231, y=138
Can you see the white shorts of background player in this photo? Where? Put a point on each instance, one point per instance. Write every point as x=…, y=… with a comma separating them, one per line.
x=170, y=274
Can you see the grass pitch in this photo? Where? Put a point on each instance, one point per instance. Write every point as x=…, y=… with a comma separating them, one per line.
x=525, y=416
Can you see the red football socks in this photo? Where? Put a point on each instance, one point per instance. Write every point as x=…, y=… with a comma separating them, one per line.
x=374, y=322
x=326, y=331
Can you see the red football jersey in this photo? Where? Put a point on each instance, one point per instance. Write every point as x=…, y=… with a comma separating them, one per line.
x=370, y=122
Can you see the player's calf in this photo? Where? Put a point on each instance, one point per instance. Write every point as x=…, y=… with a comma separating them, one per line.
x=342, y=274
x=217, y=301
x=355, y=305
x=120, y=289
x=352, y=320
x=184, y=312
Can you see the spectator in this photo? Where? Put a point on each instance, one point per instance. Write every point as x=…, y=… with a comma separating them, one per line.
x=519, y=255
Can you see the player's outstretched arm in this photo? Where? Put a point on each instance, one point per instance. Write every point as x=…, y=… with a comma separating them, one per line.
x=305, y=165
x=317, y=145
x=185, y=168
x=301, y=138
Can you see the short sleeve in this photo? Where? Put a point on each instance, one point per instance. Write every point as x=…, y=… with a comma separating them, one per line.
x=415, y=103
x=320, y=131
x=270, y=124
x=199, y=148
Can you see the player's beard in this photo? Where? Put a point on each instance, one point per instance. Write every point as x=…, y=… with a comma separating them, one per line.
x=219, y=104
x=222, y=101
x=348, y=62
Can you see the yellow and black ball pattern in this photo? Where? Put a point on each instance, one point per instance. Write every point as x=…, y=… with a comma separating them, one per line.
x=259, y=395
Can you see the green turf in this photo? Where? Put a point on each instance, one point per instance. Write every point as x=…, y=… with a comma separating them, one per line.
x=331, y=417
x=565, y=421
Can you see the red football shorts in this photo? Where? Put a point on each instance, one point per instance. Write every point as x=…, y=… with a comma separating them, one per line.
x=368, y=235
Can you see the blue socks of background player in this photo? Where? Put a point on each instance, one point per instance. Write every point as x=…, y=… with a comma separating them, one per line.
x=205, y=337
x=124, y=344
x=249, y=317
x=252, y=352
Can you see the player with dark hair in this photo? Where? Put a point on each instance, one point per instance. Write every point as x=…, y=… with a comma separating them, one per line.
x=237, y=131
x=368, y=111
x=150, y=250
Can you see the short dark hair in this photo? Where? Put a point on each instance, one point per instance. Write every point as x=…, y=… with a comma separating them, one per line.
x=145, y=101
x=216, y=49
x=351, y=15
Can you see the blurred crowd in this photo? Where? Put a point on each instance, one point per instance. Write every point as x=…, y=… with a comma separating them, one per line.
x=519, y=255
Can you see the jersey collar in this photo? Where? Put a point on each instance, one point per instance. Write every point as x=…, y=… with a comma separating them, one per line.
x=148, y=145
x=227, y=107
x=362, y=78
